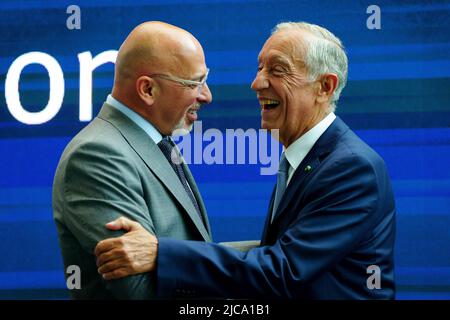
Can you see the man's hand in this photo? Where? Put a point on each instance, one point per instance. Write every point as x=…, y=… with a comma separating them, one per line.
x=134, y=252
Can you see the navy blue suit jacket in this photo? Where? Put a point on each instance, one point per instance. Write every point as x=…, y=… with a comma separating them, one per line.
x=334, y=221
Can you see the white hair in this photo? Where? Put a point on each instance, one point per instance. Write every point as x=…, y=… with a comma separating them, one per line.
x=325, y=54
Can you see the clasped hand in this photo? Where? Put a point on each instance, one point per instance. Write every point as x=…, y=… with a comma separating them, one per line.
x=132, y=253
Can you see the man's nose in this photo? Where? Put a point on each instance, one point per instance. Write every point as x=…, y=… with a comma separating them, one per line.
x=205, y=95
x=260, y=82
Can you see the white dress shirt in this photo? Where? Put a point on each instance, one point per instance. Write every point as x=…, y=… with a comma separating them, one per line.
x=298, y=150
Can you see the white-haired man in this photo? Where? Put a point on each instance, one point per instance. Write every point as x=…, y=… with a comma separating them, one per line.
x=330, y=227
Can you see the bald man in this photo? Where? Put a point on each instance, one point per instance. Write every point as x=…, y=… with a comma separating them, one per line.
x=119, y=165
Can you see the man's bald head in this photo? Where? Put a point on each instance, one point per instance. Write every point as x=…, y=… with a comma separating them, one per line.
x=150, y=58
x=153, y=47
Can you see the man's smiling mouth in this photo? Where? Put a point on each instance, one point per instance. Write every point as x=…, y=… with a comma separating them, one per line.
x=268, y=104
x=192, y=113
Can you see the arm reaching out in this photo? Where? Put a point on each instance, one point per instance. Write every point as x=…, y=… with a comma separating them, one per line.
x=135, y=252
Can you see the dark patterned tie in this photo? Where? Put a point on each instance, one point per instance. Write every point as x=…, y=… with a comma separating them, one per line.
x=167, y=147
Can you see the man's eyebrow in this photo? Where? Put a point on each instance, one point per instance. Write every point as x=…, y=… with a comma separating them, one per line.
x=200, y=77
x=279, y=60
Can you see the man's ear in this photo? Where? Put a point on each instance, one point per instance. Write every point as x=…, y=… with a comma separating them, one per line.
x=328, y=85
x=145, y=87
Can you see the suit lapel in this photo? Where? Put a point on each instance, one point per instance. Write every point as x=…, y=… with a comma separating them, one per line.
x=307, y=167
x=197, y=196
x=268, y=218
x=150, y=153
x=310, y=161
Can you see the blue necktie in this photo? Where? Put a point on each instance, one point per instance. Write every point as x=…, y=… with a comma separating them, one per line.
x=167, y=147
x=282, y=177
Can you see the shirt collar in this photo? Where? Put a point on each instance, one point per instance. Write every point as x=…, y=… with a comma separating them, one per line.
x=298, y=150
x=136, y=118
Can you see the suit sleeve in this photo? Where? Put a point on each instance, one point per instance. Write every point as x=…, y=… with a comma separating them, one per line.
x=340, y=208
x=100, y=185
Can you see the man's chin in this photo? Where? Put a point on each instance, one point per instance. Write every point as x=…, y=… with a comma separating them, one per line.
x=182, y=129
x=266, y=125
x=273, y=130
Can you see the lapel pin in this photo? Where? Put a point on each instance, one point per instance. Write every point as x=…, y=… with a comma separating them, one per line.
x=308, y=168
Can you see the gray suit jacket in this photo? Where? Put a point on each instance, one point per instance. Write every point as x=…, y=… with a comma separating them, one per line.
x=113, y=168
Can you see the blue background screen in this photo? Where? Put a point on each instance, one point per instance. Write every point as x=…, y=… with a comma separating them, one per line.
x=397, y=100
